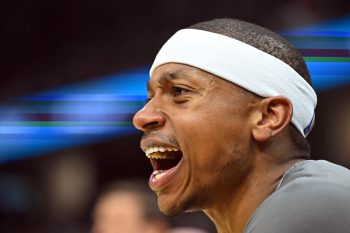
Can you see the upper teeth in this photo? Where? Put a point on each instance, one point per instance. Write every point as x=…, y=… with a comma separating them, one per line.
x=151, y=150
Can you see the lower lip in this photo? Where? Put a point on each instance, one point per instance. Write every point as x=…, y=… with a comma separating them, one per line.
x=158, y=185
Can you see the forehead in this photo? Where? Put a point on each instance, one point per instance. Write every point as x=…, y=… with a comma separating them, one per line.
x=194, y=76
x=175, y=71
x=118, y=200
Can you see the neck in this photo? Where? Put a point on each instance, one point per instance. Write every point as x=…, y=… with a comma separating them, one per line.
x=232, y=212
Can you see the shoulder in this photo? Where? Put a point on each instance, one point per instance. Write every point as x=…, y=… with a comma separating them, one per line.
x=313, y=196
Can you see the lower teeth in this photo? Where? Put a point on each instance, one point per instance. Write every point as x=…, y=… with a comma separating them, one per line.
x=159, y=174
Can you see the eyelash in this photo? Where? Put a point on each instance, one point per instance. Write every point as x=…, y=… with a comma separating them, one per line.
x=179, y=89
x=175, y=89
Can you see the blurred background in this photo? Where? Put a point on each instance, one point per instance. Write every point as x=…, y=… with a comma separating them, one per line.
x=73, y=73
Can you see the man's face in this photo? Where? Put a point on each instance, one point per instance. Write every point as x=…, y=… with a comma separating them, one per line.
x=118, y=213
x=197, y=133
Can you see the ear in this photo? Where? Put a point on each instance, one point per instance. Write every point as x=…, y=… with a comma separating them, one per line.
x=274, y=115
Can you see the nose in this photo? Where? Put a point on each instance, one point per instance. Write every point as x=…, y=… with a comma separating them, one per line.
x=148, y=118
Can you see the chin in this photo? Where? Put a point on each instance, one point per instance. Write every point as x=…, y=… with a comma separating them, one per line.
x=171, y=209
x=177, y=207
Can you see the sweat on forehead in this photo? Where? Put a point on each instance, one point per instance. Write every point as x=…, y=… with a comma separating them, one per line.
x=244, y=66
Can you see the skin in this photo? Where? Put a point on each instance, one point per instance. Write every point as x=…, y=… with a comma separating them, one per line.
x=122, y=212
x=235, y=146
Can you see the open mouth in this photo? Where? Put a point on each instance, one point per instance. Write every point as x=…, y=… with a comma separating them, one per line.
x=163, y=159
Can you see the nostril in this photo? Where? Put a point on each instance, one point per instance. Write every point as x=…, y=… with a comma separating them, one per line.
x=151, y=125
x=153, y=121
x=146, y=119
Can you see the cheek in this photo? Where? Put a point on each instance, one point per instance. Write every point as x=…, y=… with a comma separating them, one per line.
x=215, y=140
x=209, y=139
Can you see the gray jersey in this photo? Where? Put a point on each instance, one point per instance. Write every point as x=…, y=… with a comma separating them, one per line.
x=312, y=197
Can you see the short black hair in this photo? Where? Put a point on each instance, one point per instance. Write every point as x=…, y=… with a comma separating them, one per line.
x=268, y=42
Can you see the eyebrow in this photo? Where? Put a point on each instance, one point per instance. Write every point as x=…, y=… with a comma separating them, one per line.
x=169, y=76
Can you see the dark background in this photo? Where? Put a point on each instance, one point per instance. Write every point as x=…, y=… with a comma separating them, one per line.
x=50, y=43
x=46, y=44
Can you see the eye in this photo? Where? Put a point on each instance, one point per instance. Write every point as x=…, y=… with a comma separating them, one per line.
x=177, y=91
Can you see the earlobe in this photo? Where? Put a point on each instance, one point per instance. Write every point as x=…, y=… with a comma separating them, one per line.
x=261, y=134
x=273, y=115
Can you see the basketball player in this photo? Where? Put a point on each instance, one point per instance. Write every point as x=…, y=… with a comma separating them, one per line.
x=230, y=105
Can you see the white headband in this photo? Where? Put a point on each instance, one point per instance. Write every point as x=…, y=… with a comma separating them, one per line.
x=244, y=65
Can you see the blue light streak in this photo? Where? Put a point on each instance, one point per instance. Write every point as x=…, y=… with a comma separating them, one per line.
x=102, y=109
